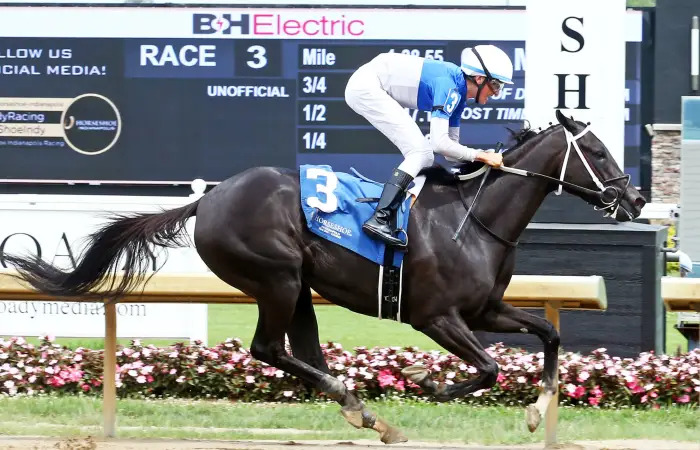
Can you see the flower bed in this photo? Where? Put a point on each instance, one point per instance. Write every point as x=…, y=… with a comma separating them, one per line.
x=228, y=371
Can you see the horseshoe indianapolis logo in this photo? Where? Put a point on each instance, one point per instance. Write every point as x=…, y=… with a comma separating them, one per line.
x=91, y=124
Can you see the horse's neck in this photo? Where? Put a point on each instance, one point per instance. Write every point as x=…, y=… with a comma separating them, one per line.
x=511, y=201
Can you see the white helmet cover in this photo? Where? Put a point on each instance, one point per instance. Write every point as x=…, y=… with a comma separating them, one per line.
x=495, y=61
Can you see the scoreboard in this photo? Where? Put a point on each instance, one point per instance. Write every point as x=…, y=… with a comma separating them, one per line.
x=169, y=94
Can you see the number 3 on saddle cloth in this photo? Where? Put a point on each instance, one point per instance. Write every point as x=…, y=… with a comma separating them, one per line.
x=330, y=203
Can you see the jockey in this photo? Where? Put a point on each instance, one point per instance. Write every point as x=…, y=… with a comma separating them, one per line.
x=381, y=89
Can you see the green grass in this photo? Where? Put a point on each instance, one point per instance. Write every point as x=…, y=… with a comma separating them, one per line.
x=335, y=324
x=81, y=416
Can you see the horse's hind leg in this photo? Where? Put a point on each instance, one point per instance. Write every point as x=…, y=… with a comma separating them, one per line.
x=276, y=306
x=303, y=333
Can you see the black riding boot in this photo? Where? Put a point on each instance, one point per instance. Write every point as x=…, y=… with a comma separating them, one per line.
x=382, y=224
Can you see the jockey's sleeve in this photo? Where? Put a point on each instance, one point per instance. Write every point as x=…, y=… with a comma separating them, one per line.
x=453, y=132
x=441, y=143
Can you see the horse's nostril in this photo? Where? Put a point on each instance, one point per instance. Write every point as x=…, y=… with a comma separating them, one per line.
x=640, y=202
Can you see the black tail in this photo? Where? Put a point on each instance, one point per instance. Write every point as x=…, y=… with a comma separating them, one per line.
x=127, y=237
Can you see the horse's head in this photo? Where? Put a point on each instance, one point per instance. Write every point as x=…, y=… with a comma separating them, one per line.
x=594, y=169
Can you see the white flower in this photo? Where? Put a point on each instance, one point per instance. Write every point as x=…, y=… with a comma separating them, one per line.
x=141, y=379
x=522, y=380
x=201, y=369
x=9, y=384
x=450, y=375
x=250, y=379
x=133, y=373
x=584, y=375
x=288, y=393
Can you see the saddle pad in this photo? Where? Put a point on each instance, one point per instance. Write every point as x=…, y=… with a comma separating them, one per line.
x=328, y=200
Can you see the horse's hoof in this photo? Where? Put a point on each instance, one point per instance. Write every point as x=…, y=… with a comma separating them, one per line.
x=532, y=417
x=354, y=418
x=393, y=436
x=416, y=374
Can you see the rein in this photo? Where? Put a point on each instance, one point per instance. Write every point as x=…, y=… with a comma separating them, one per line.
x=611, y=206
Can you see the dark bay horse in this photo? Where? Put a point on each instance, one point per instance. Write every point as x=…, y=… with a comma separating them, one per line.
x=250, y=231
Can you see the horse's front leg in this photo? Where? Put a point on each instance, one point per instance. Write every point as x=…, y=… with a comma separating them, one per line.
x=451, y=332
x=505, y=318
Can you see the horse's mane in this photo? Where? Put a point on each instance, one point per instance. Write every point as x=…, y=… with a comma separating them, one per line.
x=438, y=174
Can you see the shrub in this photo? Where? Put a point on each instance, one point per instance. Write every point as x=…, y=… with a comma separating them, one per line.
x=227, y=370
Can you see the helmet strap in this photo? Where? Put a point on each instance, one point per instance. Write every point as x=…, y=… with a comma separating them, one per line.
x=481, y=85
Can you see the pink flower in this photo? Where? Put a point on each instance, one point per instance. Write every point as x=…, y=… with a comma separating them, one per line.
x=56, y=381
x=685, y=398
x=637, y=389
x=593, y=401
x=269, y=371
x=596, y=392
x=386, y=378
x=575, y=391
x=500, y=378
x=400, y=385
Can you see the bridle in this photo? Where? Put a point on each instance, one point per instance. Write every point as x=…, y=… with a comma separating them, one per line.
x=611, y=207
x=604, y=186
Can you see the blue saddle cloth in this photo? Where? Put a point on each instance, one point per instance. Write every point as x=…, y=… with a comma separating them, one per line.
x=328, y=200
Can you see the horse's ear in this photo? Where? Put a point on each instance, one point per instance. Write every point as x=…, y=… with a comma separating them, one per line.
x=569, y=124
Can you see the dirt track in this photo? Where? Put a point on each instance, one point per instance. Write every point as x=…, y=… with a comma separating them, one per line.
x=39, y=443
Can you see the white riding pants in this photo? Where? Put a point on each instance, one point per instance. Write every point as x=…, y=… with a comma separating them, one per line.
x=365, y=95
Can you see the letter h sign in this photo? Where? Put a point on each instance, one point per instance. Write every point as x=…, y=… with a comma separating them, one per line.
x=580, y=41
